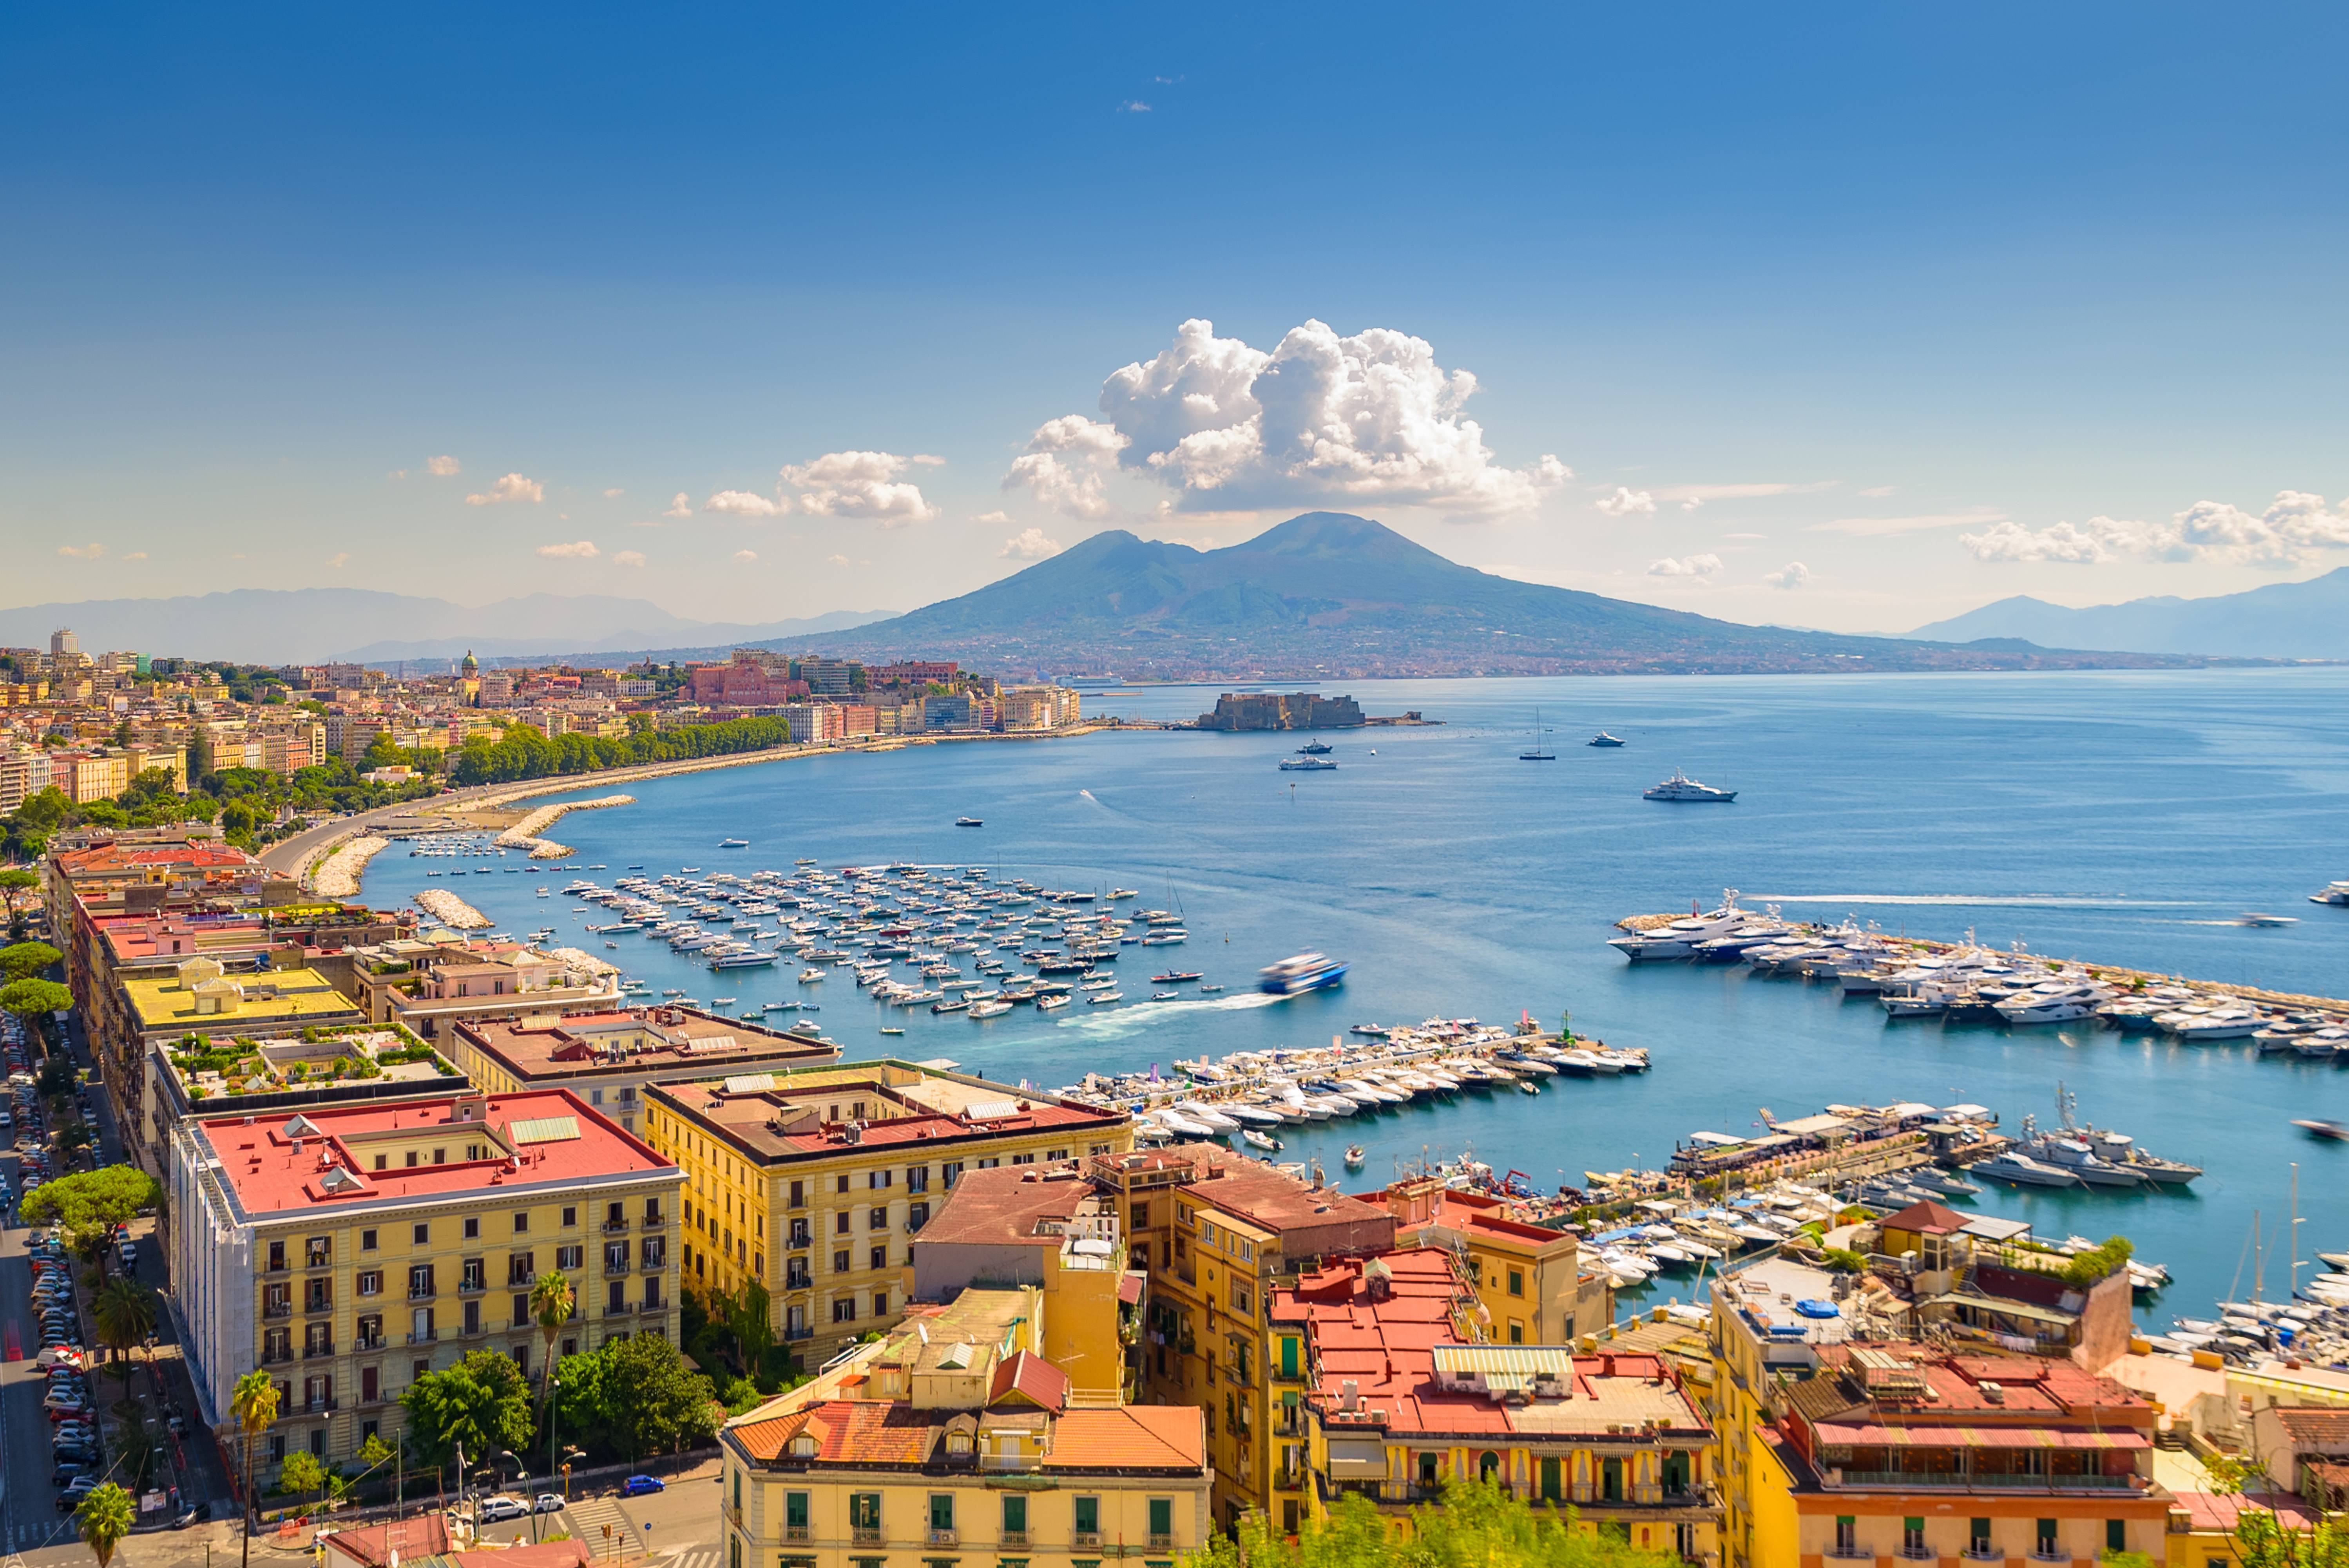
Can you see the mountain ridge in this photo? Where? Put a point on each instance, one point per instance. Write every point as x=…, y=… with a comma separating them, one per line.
x=2305, y=620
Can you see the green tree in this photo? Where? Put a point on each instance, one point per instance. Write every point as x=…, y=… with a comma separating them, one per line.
x=1475, y=1524
x=102, y=1519
x=26, y=960
x=301, y=1474
x=124, y=1312
x=16, y=883
x=481, y=1402
x=551, y=1301
x=635, y=1397
x=254, y=1402
x=29, y=999
x=87, y=1205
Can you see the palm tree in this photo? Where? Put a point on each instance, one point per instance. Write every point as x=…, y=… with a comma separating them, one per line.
x=103, y=1520
x=124, y=1312
x=254, y=1401
x=550, y=1306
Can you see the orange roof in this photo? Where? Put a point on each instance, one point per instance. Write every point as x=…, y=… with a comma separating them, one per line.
x=1926, y=1218
x=848, y=1431
x=1032, y=1377
x=1134, y=1436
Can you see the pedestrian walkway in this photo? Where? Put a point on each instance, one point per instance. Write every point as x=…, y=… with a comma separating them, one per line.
x=605, y=1526
x=691, y=1557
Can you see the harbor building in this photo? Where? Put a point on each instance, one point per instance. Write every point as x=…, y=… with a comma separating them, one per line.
x=955, y=1439
x=608, y=1057
x=1046, y=1226
x=1217, y=1234
x=811, y=1184
x=1401, y=1396
x=348, y=1250
x=1531, y=1281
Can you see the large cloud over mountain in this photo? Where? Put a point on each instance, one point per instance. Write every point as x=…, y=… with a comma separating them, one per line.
x=2292, y=529
x=1226, y=427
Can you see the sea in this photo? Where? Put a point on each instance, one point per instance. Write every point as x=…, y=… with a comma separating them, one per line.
x=2118, y=817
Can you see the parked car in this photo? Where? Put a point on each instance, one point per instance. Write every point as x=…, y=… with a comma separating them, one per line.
x=548, y=1503
x=78, y=1487
x=497, y=1510
x=67, y=1474
x=638, y=1485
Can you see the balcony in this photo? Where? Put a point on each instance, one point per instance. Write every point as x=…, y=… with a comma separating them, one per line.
x=796, y=1532
x=274, y=1357
x=1850, y=1554
x=614, y=1227
x=277, y=1266
x=798, y=1282
x=428, y=1336
x=421, y=1293
x=1161, y=1542
x=864, y=1536
x=615, y=1266
x=367, y=1342
x=944, y=1538
x=794, y=1335
x=473, y=1331
x=1015, y=1539
x=465, y=1287
x=316, y=1408
x=319, y=1308
x=1912, y=1480
x=1013, y=1464
x=521, y=1279
x=655, y=1264
x=319, y=1352
x=655, y=1222
x=277, y=1309
x=1085, y=1540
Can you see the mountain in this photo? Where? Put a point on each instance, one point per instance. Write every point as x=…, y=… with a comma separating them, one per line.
x=2280, y=621
x=1332, y=594
x=312, y=626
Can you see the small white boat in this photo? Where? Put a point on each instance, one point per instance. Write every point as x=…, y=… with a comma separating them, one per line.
x=1354, y=1157
x=1251, y=1137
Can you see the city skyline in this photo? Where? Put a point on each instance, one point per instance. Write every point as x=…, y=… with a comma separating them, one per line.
x=1854, y=325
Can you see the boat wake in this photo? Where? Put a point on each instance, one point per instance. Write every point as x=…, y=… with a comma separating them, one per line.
x=2017, y=901
x=1117, y=1023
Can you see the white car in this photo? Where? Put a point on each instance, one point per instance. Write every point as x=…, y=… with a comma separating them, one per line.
x=497, y=1510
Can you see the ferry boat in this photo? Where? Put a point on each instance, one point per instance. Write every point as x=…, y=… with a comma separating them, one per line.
x=1308, y=765
x=1681, y=787
x=1602, y=738
x=1305, y=972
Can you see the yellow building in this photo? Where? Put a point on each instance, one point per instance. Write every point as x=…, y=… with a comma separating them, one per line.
x=1530, y=1280
x=1046, y=1226
x=199, y=997
x=349, y=1250
x=1398, y=1400
x=954, y=1440
x=811, y=1184
x=1217, y=1233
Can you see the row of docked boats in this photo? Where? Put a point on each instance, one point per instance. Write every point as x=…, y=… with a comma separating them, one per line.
x=1969, y=982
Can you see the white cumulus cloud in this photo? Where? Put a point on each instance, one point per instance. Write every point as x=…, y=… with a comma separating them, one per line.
x=613, y=494
x=1793, y=574
x=83, y=551
x=1625, y=502
x=992, y=517
x=340, y=559
x=577, y=550
x=1703, y=566
x=629, y=558
x=511, y=488
x=745, y=503
x=836, y=561
x=142, y=555
x=2293, y=529
x=443, y=467
x=680, y=505
x=861, y=484
x=1029, y=544
x=744, y=557
x=1321, y=418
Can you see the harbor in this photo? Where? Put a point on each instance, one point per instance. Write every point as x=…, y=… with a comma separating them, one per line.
x=1913, y=977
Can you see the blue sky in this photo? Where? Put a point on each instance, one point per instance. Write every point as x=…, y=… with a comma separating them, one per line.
x=1864, y=283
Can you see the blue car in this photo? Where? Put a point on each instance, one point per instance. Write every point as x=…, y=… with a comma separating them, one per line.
x=638, y=1485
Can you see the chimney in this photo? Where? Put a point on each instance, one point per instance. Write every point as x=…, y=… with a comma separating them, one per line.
x=1349, y=1394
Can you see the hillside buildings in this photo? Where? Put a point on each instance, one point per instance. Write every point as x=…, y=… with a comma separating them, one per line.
x=350, y=1249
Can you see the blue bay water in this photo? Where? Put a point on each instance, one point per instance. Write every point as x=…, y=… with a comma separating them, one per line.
x=2120, y=817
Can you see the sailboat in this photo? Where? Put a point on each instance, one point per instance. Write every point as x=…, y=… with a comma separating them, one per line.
x=1538, y=754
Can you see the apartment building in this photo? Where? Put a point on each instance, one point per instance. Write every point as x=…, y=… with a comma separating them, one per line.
x=954, y=1440
x=609, y=1057
x=1046, y=1226
x=1398, y=1397
x=813, y=1182
x=1532, y=1282
x=349, y=1250
x=432, y=985
x=1217, y=1235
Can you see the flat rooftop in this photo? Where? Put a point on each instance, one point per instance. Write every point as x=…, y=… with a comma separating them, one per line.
x=352, y=1156
x=276, y=995
x=630, y=1042
x=824, y=1111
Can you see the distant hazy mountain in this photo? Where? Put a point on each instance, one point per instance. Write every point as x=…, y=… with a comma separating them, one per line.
x=309, y=626
x=1335, y=595
x=2282, y=621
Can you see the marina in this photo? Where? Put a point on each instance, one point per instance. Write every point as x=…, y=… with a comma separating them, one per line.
x=1535, y=862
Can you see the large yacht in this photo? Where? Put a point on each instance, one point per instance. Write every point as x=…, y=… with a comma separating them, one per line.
x=1308, y=765
x=1681, y=787
x=1602, y=738
x=1680, y=938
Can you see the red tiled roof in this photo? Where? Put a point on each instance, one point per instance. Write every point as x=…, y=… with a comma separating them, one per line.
x=260, y=1162
x=1926, y=1218
x=2213, y=1510
x=1004, y=1206
x=849, y=1431
x=1896, y=1435
x=1032, y=1378
x=1134, y=1436
x=2314, y=1426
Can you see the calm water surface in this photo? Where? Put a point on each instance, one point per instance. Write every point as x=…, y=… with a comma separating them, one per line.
x=2121, y=816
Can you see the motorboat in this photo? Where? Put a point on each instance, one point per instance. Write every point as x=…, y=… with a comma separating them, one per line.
x=1251, y=1137
x=1681, y=787
x=1354, y=1157
x=2022, y=1171
x=1603, y=739
x=1305, y=972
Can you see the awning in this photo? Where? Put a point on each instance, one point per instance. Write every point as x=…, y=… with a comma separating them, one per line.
x=1357, y=1458
x=1871, y=1435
